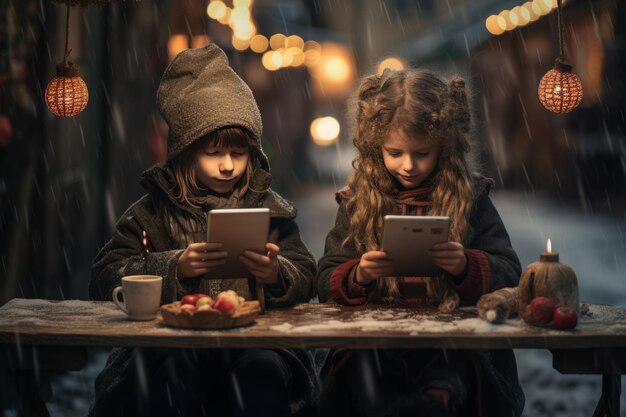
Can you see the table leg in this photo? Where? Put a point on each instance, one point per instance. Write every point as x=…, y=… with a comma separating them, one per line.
x=609, y=401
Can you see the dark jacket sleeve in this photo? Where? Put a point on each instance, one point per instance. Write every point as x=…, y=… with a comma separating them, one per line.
x=492, y=262
x=296, y=266
x=337, y=267
x=124, y=255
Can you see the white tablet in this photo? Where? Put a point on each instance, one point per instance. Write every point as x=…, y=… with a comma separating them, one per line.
x=238, y=230
x=407, y=239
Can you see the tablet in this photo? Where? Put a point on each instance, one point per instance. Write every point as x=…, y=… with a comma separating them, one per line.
x=407, y=239
x=238, y=230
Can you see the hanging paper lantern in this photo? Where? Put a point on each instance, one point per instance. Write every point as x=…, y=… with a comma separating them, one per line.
x=67, y=94
x=560, y=90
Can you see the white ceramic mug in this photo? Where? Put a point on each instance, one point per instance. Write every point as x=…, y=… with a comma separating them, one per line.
x=142, y=296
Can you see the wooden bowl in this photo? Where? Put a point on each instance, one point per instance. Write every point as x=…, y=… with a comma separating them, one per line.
x=209, y=319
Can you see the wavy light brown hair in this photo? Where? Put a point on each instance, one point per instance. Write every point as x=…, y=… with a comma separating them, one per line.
x=183, y=165
x=417, y=103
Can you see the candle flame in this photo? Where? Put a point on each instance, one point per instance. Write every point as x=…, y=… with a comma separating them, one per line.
x=549, y=246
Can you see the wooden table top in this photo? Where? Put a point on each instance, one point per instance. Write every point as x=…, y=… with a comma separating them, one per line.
x=96, y=323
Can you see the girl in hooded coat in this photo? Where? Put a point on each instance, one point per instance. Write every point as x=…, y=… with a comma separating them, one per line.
x=214, y=161
x=414, y=159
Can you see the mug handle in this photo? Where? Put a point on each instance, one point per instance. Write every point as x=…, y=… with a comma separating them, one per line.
x=120, y=304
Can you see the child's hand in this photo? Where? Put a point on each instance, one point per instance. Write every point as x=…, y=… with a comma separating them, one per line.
x=263, y=267
x=200, y=258
x=449, y=256
x=373, y=265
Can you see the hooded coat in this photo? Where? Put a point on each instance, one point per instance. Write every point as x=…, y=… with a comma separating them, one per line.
x=199, y=93
x=492, y=264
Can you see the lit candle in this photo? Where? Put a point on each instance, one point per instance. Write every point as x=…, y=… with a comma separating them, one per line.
x=548, y=256
x=548, y=278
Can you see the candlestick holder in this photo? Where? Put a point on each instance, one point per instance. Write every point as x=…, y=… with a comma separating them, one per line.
x=548, y=278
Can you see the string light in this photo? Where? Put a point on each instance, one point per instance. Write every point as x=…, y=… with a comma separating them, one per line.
x=519, y=16
x=286, y=51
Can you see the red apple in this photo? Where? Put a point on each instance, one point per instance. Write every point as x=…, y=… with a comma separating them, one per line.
x=224, y=304
x=539, y=311
x=233, y=297
x=564, y=318
x=191, y=299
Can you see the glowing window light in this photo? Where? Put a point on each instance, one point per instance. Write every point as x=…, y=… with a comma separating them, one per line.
x=325, y=130
x=259, y=43
x=216, y=10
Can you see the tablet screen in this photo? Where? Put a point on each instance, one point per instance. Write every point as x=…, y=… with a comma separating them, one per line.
x=238, y=230
x=407, y=239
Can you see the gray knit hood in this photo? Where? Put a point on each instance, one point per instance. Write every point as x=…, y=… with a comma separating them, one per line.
x=200, y=93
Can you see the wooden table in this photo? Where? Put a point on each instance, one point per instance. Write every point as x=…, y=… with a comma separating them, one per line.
x=41, y=335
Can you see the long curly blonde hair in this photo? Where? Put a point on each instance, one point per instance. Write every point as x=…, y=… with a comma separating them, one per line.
x=416, y=102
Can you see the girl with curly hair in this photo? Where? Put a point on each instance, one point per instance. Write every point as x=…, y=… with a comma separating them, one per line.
x=414, y=158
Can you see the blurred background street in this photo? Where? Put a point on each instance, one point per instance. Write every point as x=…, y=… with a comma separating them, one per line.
x=65, y=181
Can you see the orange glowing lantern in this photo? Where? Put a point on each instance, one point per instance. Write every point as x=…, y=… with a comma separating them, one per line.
x=560, y=90
x=67, y=94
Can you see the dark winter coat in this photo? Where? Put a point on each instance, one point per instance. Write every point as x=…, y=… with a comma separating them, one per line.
x=170, y=227
x=492, y=264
